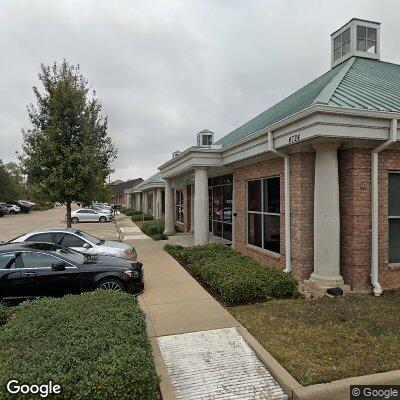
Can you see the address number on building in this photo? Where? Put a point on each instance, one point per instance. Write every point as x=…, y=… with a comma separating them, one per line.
x=294, y=138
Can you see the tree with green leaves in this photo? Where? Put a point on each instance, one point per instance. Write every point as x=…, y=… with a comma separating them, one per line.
x=8, y=191
x=67, y=151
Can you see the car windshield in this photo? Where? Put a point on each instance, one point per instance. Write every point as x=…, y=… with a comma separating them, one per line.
x=90, y=238
x=69, y=254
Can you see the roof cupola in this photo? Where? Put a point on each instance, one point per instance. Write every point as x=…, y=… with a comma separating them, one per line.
x=358, y=38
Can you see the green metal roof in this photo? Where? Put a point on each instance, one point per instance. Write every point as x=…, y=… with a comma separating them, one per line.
x=156, y=178
x=358, y=83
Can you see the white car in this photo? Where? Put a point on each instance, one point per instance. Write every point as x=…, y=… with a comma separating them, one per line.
x=89, y=215
x=13, y=208
x=81, y=241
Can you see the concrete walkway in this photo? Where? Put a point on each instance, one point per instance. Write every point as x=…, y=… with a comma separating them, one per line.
x=174, y=302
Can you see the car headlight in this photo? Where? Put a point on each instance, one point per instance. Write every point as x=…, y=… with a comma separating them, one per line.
x=131, y=274
x=130, y=253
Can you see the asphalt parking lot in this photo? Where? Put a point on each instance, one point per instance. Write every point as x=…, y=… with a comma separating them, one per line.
x=12, y=226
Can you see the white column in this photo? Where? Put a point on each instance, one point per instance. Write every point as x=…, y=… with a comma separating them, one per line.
x=326, y=218
x=154, y=204
x=169, y=209
x=192, y=208
x=201, y=206
x=145, y=203
x=159, y=203
x=137, y=201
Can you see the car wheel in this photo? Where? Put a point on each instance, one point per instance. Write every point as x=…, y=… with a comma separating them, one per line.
x=12, y=212
x=111, y=284
x=102, y=219
x=74, y=220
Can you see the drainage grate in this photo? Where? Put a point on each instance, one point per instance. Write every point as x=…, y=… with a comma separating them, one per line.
x=217, y=364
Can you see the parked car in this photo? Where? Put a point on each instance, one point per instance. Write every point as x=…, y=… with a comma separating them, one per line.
x=25, y=208
x=102, y=210
x=3, y=209
x=80, y=241
x=29, y=270
x=89, y=215
x=13, y=209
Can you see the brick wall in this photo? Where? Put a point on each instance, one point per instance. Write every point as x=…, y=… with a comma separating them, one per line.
x=302, y=203
x=355, y=210
x=302, y=213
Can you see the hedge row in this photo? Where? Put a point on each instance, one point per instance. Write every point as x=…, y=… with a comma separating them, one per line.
x=94, y=345
x=234, y=276
x=141, y=217
x=154, y=229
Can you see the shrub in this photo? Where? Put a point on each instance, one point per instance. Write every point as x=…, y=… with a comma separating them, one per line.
x=234, y=276
x=94, y=345
x=140, y=217
x=4, y=313
x=153, y=227
x=131, y=212
x=159, y=236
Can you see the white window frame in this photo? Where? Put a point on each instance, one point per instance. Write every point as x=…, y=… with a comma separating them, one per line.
x=262, y=213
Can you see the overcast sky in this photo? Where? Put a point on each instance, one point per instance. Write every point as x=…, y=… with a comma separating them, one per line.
x=165, y=70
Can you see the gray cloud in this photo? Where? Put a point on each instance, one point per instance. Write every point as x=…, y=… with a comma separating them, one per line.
x=167, y=69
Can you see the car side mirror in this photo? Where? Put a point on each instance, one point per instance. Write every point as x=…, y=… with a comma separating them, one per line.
x=59, y=266
x=87, y=246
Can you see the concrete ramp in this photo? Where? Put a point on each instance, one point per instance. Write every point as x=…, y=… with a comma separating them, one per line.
x=217, y=364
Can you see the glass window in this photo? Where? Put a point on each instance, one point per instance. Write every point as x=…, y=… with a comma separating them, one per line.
x=394, y=217
x=361, y=32
x=227, y=179
x=272, y=233
x=254, y=195
x=264, y=226
x=394, y=194
x=38, y=260
x=89, y=238
x=272, y=195
x=70, y=254
x=179, y=206
x=361, y=44
x=217, y=203
x=341, y=44
x=221, y=206
x=7, y=260
x=41, y=237
x=72, y=241
x=366, y=39
x=227, y=203
x=255, y=229
x=227, y=233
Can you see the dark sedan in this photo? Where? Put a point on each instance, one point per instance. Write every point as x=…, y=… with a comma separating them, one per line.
x=29, y=270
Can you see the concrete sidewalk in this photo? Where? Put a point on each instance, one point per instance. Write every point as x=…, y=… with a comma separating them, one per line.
x=173, y=300
x=175, y=303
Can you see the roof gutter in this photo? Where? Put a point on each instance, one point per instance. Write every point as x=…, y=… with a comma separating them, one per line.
x=288, y=257
x=377, y=289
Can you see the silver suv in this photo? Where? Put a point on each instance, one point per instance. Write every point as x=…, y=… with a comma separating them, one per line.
x=80, y=241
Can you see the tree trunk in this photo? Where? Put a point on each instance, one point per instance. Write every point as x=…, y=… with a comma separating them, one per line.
x=68, y=214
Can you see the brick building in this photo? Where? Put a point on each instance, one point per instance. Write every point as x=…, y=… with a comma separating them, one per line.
x=311, y=185
x=148, y=196
x=119, y=187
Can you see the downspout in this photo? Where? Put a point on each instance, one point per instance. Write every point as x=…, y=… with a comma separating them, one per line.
x=288, y=261
x=377, y=289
